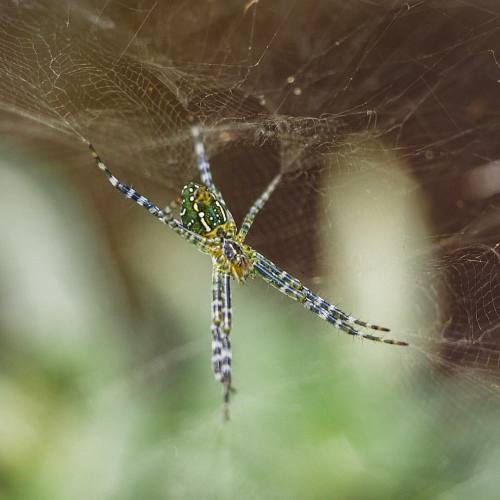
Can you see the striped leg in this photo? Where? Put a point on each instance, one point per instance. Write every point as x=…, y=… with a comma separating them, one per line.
x=166, y=216
x=227, y=314
x=257, y=207
x=297, y=285
x=221, y=325
x=292, y=288
x=202, y=161
x=226, y=331
x=216, y=322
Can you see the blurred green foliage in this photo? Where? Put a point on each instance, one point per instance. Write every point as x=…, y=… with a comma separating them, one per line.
x=100, y=399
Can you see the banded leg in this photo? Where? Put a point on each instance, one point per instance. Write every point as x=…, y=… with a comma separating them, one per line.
x=216, y=322
x=227, y=314
x=221, y=326
x=202, y=161
x=257, y=207
x=226, y=331
x=289, y=286
x=295, y=284
x=166, y=216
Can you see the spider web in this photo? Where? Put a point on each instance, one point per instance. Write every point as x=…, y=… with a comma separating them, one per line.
x=383, y=113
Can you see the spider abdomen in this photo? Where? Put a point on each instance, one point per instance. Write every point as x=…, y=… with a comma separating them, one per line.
x=201, y=211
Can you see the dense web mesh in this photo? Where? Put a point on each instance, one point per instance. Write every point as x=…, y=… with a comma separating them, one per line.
x=313, y=92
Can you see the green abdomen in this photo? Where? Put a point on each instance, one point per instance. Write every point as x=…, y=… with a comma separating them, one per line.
x=201, y=211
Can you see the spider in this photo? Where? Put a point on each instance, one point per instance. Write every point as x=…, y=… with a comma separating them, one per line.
x=207, y=223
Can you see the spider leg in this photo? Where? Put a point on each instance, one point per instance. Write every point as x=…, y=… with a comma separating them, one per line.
x=297, y=285
x=227, y=314
x=226, y=340
x=294, y=289
x=221, y=327
x=203, y=163
x=257, y=207
x=166, y=216
x=216, y=321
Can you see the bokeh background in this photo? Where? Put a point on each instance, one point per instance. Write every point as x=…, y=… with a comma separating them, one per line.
x=384, y=121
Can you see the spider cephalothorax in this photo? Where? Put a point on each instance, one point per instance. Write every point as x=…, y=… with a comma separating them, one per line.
x=236, y=259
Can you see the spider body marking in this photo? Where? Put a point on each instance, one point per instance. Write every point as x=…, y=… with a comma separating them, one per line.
x=207, y=224
x=201, y=210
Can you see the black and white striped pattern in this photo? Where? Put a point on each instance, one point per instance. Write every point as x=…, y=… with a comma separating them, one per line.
x=294, y=289
x=221, y=329
x=226, y=305
x=202, y=162
x=203, y=165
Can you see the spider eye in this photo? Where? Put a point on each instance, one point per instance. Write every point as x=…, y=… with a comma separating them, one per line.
x=201, y=211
